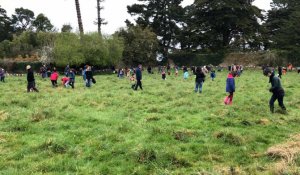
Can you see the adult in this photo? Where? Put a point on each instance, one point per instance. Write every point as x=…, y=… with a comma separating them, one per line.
x=276, y=89
x=67, y=70
x=138, y=75
x=30, y=80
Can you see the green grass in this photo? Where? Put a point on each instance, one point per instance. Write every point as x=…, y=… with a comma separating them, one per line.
x=164, y=129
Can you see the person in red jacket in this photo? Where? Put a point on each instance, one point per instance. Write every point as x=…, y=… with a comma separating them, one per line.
x=54, y=76
x=65, y=81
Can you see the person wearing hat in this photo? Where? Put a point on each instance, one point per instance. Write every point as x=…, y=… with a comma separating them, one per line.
x=30, y=80
x=276, y=89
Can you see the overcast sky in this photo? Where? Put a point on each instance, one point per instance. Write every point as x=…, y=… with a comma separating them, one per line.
x=63, y=11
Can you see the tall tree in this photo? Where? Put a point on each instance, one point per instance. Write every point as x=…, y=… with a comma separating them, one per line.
x=100, y=21
x=79, y=17
x=42, y=23
x=22, y=19
x=141, y=45
x=162, y=16
x=221, y=24
x=283, y=28
x=5, y=25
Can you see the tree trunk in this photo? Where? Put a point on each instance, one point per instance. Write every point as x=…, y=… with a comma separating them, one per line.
x=79, y=17
x=99, y=16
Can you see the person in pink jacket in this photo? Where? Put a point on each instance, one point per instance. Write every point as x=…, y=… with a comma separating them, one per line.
x=54, y=76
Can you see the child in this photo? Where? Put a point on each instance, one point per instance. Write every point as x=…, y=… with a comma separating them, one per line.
x=2, y=75
x=72, y=78
x=186, y=75
x=163, y=75
x=230, y=88
x=200, y=78
x=132, y=80
x=53, y=77
x=176, y=71
x=30, y=80
x=276, y=89
x=89, y=76
x=213, y=75
x=65, y=81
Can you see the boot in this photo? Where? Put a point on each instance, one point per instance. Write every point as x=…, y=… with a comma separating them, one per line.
x=283, y=108
x=272, y=109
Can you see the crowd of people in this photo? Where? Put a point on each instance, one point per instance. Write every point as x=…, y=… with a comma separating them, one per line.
x=135, y=77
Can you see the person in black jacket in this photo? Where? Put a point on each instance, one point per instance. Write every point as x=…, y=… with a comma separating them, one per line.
x=279, y=72
x=200, y=78
x=30, y=80
x=89, y=76
x=138, y=73
x=276, y=89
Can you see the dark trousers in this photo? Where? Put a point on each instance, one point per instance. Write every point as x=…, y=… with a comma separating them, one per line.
x=2, y=79
x=31, y=85
x=71, y=83
x=280, y=101
x=54, y=83
x=138, y=83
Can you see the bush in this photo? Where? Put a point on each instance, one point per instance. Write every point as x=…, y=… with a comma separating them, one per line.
x=195, y=59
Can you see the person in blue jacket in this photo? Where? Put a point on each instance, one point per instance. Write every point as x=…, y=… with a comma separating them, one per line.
x=71, y=75
x=138, y=73
x=230, y=88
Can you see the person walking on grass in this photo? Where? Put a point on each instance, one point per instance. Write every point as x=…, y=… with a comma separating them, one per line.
x=276, y=89
x=30, y=80
x=89, y=76
x=186, y=74
x=279, y=72
x=2, y=75
x=163, y=75
x=71, y=76
x=67, y=70
x=53, y=77
x=230, y=88
x=138, y=74
x=213, y=75
x=200, y=78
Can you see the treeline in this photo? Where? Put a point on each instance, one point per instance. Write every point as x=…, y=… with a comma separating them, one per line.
x=24, y=35
x=214, y=26
x=161, y=28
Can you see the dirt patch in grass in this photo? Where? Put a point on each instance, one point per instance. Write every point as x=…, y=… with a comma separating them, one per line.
x=146, y=156
x=263, y=121
x=230, y=138
x=183, y=135
x=286, y=154
x=3, y=116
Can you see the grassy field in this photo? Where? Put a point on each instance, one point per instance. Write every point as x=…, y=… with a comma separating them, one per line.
x=164, y=129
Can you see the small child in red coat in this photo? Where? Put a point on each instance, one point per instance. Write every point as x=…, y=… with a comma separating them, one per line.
x=65, y=81
x=54, y=76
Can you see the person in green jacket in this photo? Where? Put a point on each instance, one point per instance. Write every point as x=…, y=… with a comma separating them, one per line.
x=276, y=89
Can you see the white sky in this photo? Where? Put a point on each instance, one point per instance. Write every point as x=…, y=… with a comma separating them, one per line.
x=63, y=11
